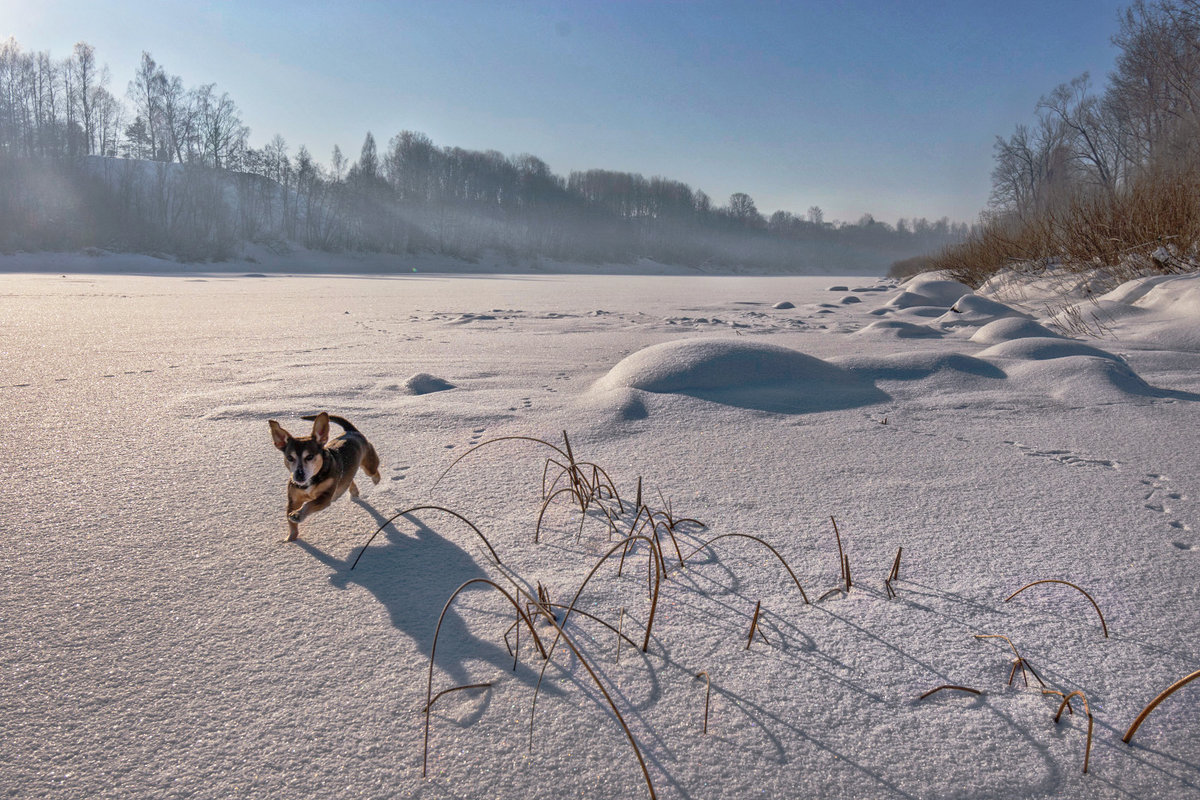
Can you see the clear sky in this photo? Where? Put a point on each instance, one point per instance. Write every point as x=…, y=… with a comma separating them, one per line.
x=889, y=108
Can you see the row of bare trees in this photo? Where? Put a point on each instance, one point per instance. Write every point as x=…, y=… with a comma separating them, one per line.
x=170, y=170
x=54, y=108
x=1107, y=175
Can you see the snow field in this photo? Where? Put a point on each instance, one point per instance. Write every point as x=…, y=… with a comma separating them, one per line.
x=158, y=638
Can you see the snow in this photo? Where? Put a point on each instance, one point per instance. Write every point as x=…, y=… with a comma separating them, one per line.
x=1008, y=328
x=159, y=639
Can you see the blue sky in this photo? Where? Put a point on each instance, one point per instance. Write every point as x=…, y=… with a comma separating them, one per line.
x=879, y=107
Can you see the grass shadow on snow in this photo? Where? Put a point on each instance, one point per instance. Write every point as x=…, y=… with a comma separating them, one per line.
x=412, y=575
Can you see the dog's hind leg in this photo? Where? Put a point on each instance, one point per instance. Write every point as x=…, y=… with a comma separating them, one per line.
x=370, y=463
x=354, y=489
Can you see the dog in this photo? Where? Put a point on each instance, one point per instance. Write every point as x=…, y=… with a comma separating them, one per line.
x=319, y=470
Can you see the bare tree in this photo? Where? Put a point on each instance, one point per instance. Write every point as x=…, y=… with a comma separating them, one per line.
x=146, y=91
x=222, y=135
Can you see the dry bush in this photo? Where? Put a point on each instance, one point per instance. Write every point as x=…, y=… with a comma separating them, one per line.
x=1150, y=226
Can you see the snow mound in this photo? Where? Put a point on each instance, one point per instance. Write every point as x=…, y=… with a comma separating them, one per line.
x=919, y=365
x=741, y=373
x=1083, y=380
x=1043, y=349
x=783, y=304
x=1132, y=291
x=424, y=383
x=1008, y=328
x=972, y=310
x=930, y=292
x=1161, y=311
x=898, y=329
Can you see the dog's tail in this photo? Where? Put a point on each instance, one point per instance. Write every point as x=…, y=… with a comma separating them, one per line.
x=339, y=420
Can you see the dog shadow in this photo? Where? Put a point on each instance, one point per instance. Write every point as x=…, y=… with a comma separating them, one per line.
x=412, y=575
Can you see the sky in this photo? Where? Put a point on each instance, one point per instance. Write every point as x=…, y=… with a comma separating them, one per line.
x=887, y=108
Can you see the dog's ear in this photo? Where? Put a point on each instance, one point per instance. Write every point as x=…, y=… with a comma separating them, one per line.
x=278, y=435
x=321, y=428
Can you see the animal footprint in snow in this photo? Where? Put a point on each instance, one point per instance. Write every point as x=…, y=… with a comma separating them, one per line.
x=1158, y=490
x=1065, y=457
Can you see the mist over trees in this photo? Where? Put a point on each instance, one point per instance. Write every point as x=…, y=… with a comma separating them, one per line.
x=1105, y=175
x=164, y=167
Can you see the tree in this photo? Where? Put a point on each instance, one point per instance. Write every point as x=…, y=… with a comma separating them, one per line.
x=743, y=210
x=221, y=133
x=816, y=216
x=88, y=80
x=1084, y=131
x=368, y=160
x=146, y=90
x=337, y=163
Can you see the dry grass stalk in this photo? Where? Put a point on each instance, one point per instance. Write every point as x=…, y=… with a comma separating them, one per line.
x=841, y=553
x=433, y=650
x=1103, y=625
x=1070, y=708
x=514, y=651
x=1066, y=702
x=620, y=632
x=437, y=696
x=390, y=519
x=561, y=634
x=846, y=572
x=950, y=686
x=764, y=544
x=707, y=693
x=1179, y=684
x=594, y=618
x=887, y=585
x=833, y=591
x=753, y=624
x=1019, y=663
x=581, y=489
x=894, y=575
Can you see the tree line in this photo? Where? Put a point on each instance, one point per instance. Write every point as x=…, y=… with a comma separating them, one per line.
x=1104, y=175
x=169, y=169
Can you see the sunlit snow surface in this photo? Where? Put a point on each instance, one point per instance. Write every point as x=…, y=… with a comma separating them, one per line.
x=159, y=639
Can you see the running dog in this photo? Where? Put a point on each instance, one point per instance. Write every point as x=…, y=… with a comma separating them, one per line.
x=319, y=470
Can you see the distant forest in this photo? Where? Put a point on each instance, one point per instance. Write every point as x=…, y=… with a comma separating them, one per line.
x=168, y=170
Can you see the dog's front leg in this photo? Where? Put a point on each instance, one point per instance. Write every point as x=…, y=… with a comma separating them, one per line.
x=295, y=514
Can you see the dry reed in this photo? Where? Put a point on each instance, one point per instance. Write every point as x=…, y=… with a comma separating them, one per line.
x=1103, y=625
x=433, y=650
x=936, y=689
x=561, y=634
x=764, y=544
x=390, y=519
x=437, y=696
x=1066, y=702
x=841, y=553
x=1020, y=662
x=1179, y=684
x=753, y=624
